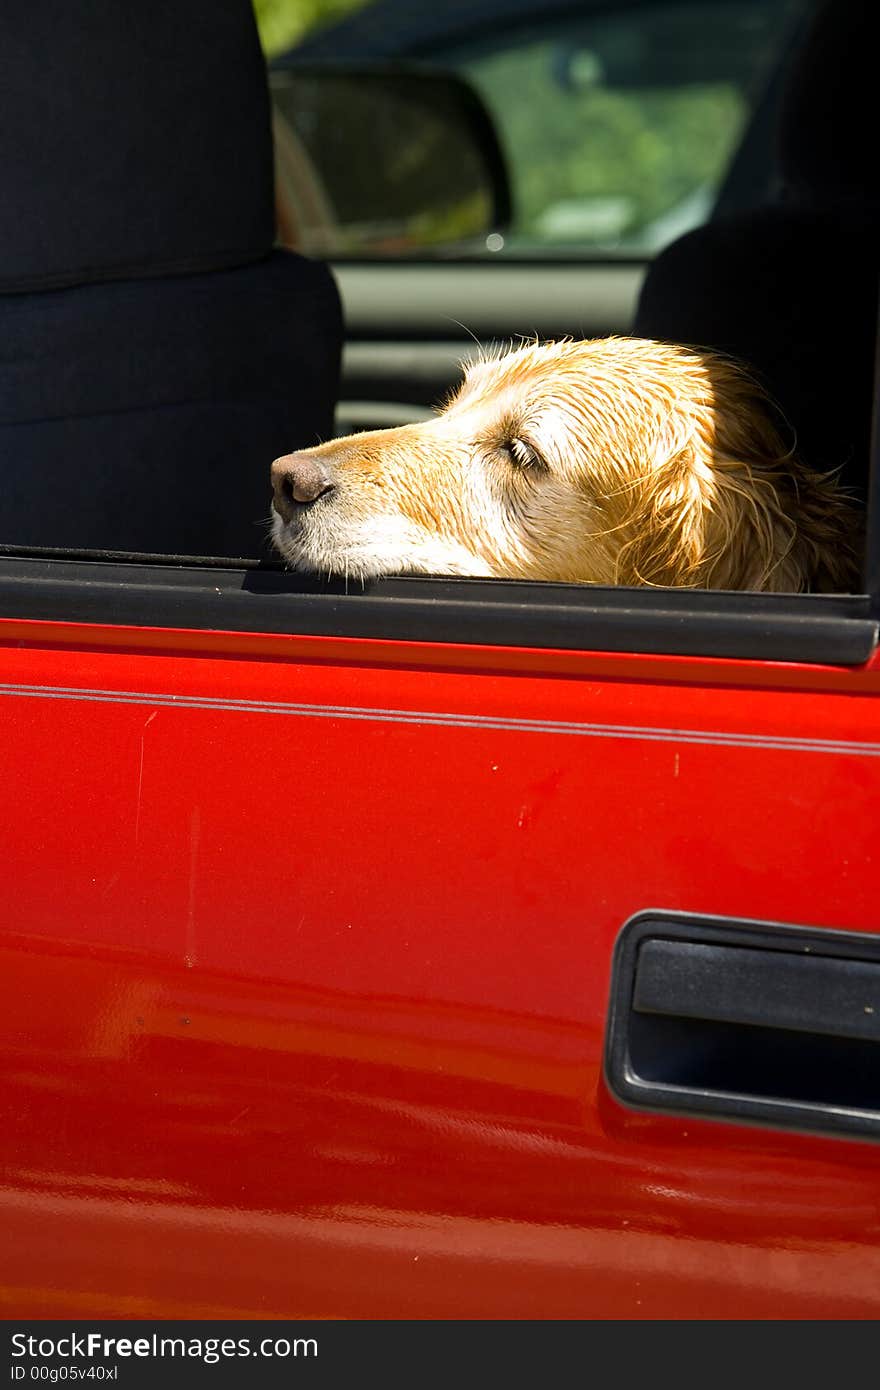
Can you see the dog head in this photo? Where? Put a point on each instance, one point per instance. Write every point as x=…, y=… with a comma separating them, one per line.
x=612, y=461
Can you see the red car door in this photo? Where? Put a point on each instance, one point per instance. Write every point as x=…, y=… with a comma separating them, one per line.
x=310, y=906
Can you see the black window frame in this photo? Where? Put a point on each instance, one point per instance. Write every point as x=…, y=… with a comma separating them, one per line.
x=250, y=596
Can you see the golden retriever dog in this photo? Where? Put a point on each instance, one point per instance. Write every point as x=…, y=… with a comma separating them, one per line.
x=610, y=461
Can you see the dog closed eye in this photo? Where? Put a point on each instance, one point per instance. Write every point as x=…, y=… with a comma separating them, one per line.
x=630, y=461
x=523, y=454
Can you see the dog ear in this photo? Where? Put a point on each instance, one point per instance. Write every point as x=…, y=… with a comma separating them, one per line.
x=667, y=516
x=708, y=516
x=719, y=500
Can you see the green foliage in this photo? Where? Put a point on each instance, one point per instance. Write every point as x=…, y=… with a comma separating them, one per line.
x=282, y=22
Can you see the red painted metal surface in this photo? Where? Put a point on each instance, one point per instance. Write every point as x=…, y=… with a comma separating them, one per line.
x=306, y=948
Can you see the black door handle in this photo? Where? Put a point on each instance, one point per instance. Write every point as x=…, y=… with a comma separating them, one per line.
x=748, y=1021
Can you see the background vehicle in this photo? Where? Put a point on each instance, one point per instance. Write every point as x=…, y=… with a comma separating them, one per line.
x=313, y=984
x=621, y=126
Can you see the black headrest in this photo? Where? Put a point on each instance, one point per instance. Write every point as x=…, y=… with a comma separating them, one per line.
x=134, y=140
x=829, y=111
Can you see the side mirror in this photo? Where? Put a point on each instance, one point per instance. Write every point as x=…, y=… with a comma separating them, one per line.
x=373, y=161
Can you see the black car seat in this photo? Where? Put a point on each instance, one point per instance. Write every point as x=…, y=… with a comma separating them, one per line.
x=156, y=352
x=792, y=286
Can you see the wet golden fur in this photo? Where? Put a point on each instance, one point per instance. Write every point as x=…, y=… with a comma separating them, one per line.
x=611, y=461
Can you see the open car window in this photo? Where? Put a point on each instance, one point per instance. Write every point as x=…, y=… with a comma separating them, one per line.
x=667, y=92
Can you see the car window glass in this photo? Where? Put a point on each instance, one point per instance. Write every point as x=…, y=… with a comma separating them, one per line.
x=618, y=128
x=616, y=125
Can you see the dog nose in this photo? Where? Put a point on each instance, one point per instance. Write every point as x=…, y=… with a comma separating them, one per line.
x=298, y=479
